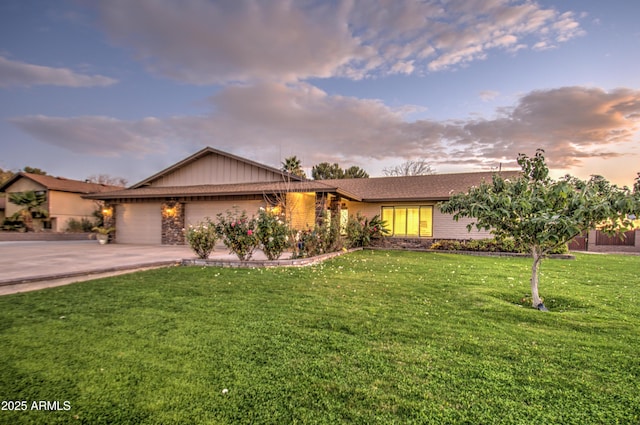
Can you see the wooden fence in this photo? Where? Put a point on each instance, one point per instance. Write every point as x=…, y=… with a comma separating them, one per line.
x=627, y=239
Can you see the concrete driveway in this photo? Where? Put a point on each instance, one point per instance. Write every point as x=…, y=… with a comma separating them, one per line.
x=27, y=266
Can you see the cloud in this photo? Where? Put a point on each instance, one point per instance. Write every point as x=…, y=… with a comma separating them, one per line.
x=97, y=135
x=21, y=74
x=216, y=42
x=264, y=120
x=487, y=95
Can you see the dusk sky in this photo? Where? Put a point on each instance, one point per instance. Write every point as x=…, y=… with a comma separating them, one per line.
x=129, y=87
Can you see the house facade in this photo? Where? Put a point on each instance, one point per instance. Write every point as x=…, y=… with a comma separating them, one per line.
x=157, y=209
x=64, y=198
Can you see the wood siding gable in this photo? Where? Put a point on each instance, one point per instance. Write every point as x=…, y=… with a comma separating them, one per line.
x=213, y=167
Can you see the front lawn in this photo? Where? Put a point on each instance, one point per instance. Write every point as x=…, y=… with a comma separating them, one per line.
x=369, y=337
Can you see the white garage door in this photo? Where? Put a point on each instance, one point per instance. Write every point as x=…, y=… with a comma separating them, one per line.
x=196, y=212
x=139, y=223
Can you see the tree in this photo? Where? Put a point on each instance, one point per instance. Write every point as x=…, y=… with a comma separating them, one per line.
x=542, y=214
x=355, y=172
x=409, y=168
x=5, y=175
x=326, y=171
x=107, y=180
x=293, y=165
x=31, y=203
x=33, y=170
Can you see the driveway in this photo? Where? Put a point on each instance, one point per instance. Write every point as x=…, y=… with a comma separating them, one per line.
x=34, y=265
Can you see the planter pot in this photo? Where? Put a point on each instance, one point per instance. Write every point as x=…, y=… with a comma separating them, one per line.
x=102, y=239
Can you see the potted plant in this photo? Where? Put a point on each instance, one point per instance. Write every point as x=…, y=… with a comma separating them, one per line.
x=102, y=234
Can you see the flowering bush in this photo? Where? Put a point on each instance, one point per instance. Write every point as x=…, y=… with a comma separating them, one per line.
x=273, y=234
x=360, y=230
x=239, y=233
x=202, y=238
x=321, y=239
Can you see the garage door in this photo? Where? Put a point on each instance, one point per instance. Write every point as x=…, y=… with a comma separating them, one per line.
x=196, y=212
x=139, y=223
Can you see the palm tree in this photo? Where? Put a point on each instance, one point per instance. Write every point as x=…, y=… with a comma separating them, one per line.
x=31, y=203
x=293, y=165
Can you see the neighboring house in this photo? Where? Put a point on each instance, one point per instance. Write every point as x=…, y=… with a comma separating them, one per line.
x=156, y=210
x=64, y=198
x=2, y=208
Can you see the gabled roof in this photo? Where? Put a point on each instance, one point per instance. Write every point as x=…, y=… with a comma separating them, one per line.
x=435, y=187
x=204, y=152
x=59, y=183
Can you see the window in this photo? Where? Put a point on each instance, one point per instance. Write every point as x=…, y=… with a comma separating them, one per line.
x=409, y=221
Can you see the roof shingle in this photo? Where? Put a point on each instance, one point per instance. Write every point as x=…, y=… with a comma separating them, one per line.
x=376, y=189
x=61, y=184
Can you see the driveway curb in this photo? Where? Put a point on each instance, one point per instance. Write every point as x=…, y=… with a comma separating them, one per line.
x=42, y=278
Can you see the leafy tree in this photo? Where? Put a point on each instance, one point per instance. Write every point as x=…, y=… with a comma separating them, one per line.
x=33, y=170
x=540, y=213
x=5, y=175
x=354, y=172
x=409, y=168
x=107, y=179
x=326, y=171
x=31, y=203
x=293, y=165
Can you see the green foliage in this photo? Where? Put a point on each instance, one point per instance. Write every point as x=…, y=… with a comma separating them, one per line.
x=323, y=238
x=326, y=171
x=293, y=165
x=355, y=172
x=5, y=175
x=273, y=234
x=34, y=170
x=361, y=230
x=31, y=206
x=541, y=214
x=202, y=237
x=11, y=225
x=239, y=233
x=79, y=226
x=488, y=245
x=373, y=337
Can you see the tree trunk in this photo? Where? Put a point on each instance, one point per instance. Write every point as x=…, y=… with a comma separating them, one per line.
x=537, y=258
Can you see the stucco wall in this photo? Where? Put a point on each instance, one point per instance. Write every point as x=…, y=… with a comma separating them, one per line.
x=21, y=185
x=64, y=206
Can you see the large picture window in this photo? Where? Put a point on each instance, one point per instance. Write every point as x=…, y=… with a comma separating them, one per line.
x=409, y=221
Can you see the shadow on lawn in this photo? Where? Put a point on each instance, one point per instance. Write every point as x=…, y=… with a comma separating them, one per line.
x=555, y=304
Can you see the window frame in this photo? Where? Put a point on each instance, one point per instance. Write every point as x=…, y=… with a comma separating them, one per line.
x=418, y=224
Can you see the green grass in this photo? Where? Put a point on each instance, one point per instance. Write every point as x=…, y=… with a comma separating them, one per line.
x=369, y=337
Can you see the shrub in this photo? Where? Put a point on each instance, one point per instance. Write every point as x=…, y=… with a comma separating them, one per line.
x=239, y=233
x=446, y=245
x=202, y=238
x=12, y=225
x=272, y=233
x=488, y=245
x=321, y=239
x=79, y=226
x=360, y=230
